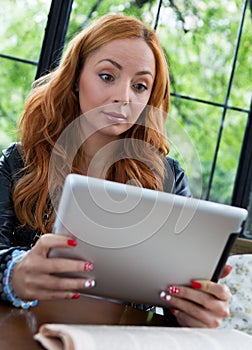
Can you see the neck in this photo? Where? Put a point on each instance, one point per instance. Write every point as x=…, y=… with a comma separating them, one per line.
x=98, y=153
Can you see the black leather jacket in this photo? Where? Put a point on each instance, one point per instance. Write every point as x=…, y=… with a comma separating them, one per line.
x=12, y=236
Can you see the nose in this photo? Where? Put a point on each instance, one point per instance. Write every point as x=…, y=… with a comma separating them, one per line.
x=122, y=93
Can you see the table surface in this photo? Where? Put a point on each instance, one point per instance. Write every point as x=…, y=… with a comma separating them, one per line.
x=17, y=327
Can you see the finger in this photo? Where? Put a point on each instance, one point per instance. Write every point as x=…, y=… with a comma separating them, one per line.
x=187, y=299
x=62, y=265
x=49, y=240
x=186, y=320
x=43, y=295
x=70, y=284
x=46, y=286
x=203, y=317
x=226, y=271
x=34, y=264
x=59, y=284
x=220, y=291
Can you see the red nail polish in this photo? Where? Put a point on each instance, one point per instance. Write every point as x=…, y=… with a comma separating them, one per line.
x=71, y=242
x=173, y=311
x=88, y=267
x=76, y=296
x=173, y=290
x=196, y=285
x=230, y=267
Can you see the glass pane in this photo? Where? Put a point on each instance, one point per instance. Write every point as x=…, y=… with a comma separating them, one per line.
x=22, y=27
x=192, y=130
x=22, y=30
x=228, y=157
x=84, y=12
x=200, y=39
x=195, y=151
x=16, y=79
x=240, y=95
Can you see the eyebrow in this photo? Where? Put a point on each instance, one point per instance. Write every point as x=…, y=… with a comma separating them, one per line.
x=118, y=66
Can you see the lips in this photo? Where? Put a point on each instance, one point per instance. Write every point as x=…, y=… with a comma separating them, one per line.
x=117, y=117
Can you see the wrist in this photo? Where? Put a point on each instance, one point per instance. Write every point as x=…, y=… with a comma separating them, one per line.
x=7, y=290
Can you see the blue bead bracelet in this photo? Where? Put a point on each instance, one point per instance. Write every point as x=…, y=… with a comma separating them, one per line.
x=8, y=294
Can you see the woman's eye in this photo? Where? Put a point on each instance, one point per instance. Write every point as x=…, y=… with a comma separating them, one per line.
x=106, y=77
x=140, y=87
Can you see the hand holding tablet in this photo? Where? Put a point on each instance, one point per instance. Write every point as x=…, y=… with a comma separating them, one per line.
x=142, y=240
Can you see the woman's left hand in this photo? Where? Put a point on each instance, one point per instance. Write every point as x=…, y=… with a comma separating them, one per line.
x=203, y=305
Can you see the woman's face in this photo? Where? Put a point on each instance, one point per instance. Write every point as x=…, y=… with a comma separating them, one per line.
x=115, y=85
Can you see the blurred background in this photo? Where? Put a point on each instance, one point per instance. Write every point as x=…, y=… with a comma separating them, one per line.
x=208, y=45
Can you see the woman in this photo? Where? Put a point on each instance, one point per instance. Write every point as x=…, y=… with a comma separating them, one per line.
x=111, y=89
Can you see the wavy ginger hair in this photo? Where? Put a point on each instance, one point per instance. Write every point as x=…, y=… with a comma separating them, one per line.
x=53, y=104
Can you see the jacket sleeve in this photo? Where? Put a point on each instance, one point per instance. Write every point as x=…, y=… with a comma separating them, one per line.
x=175, y=179
x=10, y=166
x=7, y=216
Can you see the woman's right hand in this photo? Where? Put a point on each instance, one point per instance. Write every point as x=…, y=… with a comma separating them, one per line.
x=34, y=276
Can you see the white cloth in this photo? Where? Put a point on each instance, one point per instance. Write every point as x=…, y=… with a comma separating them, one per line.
x=83, y=337
x=240, y=285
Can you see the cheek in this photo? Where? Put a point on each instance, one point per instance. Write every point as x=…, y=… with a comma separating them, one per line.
x=91, y=98
x=89, y=95
x=140, y=104
x=136, y=109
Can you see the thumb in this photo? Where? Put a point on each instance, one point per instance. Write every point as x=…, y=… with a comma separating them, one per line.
x=226, y=271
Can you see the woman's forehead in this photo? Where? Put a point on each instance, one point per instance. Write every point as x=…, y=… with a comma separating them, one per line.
x=134, y=51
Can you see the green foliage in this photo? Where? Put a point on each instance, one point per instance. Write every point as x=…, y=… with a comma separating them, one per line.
x=21, y=35
x=199, y=39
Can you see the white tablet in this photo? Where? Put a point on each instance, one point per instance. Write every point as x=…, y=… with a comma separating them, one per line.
x=141, y=240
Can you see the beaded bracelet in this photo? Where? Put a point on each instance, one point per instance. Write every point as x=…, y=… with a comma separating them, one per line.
x=8, y=294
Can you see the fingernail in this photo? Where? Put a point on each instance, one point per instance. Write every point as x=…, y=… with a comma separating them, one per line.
x=165, y=296
x=196, y=285
x=88, y=267
x=230, y=267
x=89, y=283
x=71, y=242
x=173, y=311
x=76, y=296
x=173, y=290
